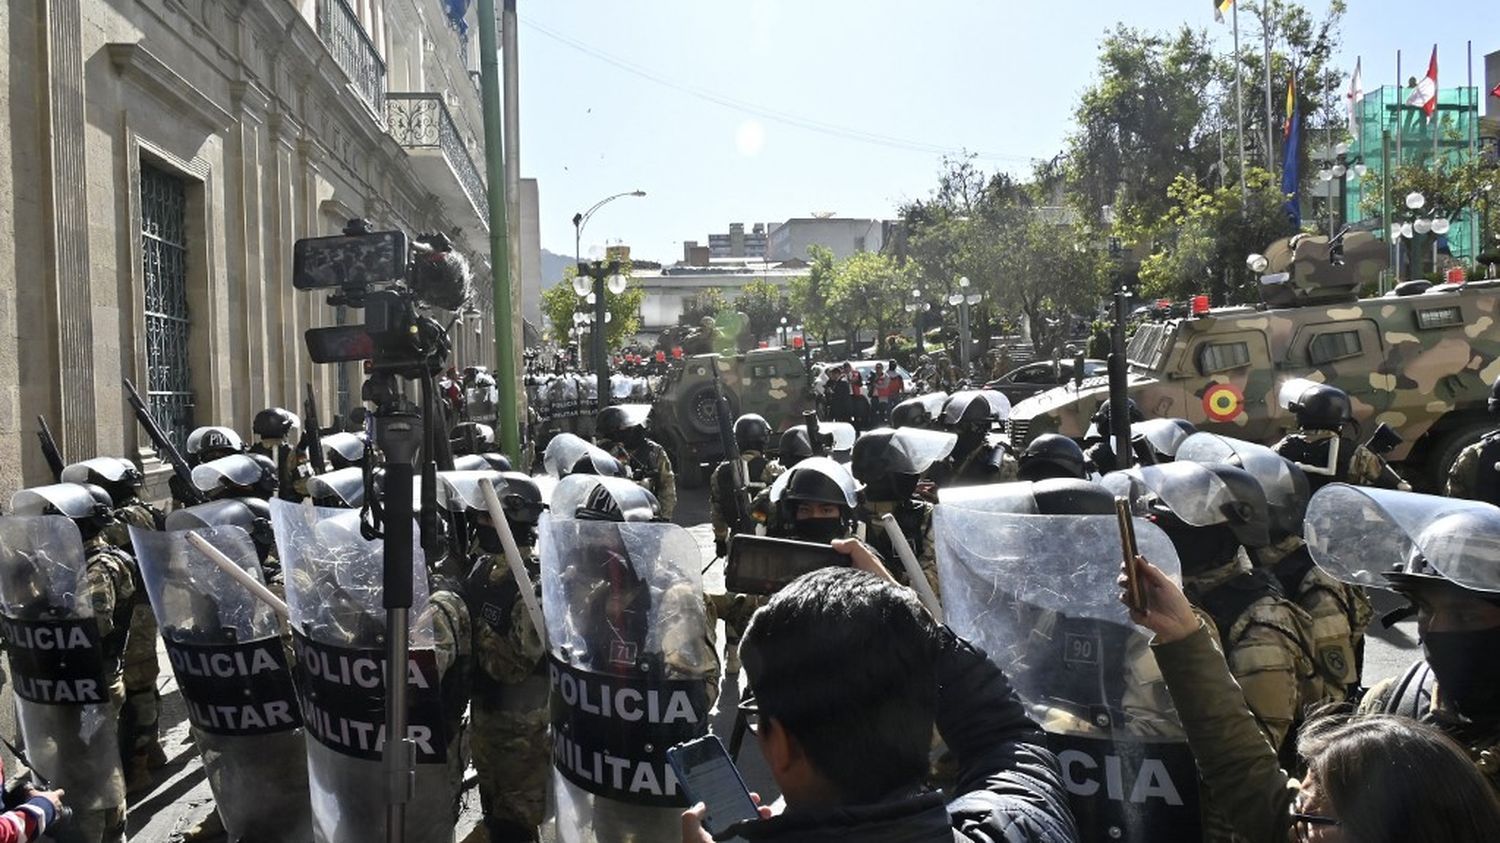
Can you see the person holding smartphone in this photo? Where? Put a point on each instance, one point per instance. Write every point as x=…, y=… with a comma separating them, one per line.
x=848, y=674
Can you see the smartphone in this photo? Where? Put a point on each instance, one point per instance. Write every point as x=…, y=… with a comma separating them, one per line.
x=1134, y=595
x=708, y=776
x=762, y=564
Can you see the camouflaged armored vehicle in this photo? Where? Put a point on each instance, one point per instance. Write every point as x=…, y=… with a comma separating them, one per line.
x=770, y=381
x=1421, y=361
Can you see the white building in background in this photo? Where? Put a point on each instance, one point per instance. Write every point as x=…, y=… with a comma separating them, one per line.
x=164, y=159
x=843, y=237
x=672, y=289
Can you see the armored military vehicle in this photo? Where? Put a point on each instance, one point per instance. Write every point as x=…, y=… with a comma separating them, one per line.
x=1420, y=358
x=770, y=381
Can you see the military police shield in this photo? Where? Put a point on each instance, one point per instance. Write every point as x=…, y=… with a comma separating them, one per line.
x=629, y=657
x=56, y=662
x=1039, y=594
x=227, y=656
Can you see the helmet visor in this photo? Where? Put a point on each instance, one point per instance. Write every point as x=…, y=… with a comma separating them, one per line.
x=1192, y=492
x=69, y=499
x=238, y=469
x=826, y=467
x=108, y=469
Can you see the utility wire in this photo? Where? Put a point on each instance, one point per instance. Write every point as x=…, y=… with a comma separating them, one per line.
x=845, y=132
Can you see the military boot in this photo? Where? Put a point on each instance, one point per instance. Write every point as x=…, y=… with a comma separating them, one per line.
x=208, y=829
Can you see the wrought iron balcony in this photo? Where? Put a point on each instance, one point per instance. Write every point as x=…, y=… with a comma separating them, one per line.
x=352, y=49
x=420, y=122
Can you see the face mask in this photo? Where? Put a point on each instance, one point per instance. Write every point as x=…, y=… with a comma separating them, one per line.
x=1465, y=666
x=820, y=530
x=489, y=540
x=1199, y=548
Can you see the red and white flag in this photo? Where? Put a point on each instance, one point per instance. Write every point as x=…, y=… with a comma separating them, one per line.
x=1424, y=95
x=1356, y=98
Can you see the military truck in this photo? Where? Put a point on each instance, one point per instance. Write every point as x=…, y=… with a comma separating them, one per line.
x=1420, y=358
x=770, y=381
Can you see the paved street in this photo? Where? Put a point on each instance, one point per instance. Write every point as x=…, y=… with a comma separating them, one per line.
x=181, y=795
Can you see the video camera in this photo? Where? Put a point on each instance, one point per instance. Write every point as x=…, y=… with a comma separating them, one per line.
x=392, y=278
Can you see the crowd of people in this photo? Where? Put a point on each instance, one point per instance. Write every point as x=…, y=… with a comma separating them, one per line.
x=968, y=672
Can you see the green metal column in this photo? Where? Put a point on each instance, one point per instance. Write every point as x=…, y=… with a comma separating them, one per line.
x=506, y=375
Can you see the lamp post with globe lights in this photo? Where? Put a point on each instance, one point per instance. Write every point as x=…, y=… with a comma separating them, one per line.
x=598, y=271
x=918, y=308
x=963, y=299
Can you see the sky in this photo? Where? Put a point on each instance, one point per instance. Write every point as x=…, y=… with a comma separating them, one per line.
x=761, y=110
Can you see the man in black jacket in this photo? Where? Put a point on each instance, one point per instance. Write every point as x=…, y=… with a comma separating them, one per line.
x=848, y=675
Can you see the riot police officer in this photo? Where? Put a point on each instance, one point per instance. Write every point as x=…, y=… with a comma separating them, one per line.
x=1051, y=455
x=140, y=738
x=794, y=447
x=1099, y=438
x=752, y=433
x=621, y=430
x=889, y=463
x=919, y=411
x=1476, y=472
x=93, y=778
x=1319, y=445
x=978, y=457
x=278, y=432
x=209, y=443
x=236, y=476
x=815, y=501
x=344, y=450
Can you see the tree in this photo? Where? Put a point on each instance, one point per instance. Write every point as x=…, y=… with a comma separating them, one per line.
x=808, y=294
x=761, y=301
x=868, y=292
x=559, y=303
x=708, y=302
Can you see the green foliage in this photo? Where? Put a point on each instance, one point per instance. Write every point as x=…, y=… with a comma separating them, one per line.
x=559, y=304
x=1201, y=243
x=709, y=301
x=867, y=293
x=762, y=303
x=808, y=295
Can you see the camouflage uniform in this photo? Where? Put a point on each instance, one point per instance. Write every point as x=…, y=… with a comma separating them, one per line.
x=732, y=608
x=1473, y=474
x=915, y=519
x=650, y=459
x=1411, y=695
x=111, y=582
x=760, y=473
x=1264, y=642
x=977, y=467
x=140, y=740
x=510, y=716
x=1339, y=612
x=1363, y=467
x=452, y=645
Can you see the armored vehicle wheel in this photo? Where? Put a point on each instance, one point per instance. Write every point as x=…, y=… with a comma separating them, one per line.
x=698, y=413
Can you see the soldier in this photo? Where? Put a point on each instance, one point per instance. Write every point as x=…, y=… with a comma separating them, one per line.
x=1155, y=441
x=978, y=457
x=1440, y=555
x=236, y=476
x=1212, y=514
x=751, y=434
x=344, y=450
x=1051, y=455
x=1339, y=612
x=277, y=436
x=621, y=430
x=97, y=786
x=793, y=448
x=140, y=739
x=919, y=411
x=210, y=443
x=1319, y=445
x=1476, y=472
x=1100, y=450
x=889, y=463
x=815, y=502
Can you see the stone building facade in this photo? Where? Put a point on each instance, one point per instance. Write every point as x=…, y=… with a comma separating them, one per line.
x=164, y=156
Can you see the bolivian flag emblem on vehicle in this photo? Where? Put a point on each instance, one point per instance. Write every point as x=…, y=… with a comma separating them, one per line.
x=1222, y=402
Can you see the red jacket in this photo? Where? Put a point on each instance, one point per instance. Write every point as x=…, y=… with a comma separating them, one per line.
x=28, y=820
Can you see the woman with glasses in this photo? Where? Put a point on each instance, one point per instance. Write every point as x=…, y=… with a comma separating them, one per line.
x=1370, y=779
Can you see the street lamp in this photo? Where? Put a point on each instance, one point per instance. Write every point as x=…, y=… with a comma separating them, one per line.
x=783, y=332
x=598, y=271
x=917, y=307
x=963, y=300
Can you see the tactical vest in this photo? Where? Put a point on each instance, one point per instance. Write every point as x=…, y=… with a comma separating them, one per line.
x=1227, y=602
x=1411, y=696
x=1297, y=448
x=1487, y=478
x=755, y=469
x=492, y=602
x=113, y=644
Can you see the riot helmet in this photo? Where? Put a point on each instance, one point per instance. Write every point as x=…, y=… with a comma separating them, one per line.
x=206, y=444
x=342, y=488
x=919, y=411
x=1099, y=422
x=471, y=462
x=1071, y=496
x=344, y=450
x=975, y=409
x=795, y=446
x=622, y=423
x=471, y=438
x=815, y=500
x=115, y=475
x=1052, y=455
x=87, y=505
x=1208, y=511
x=1157, y=440
x=276, y=423
x=596, y=498
x=752, y=432
x=237, y=476
x=1494, y=401
x=1286, y=486
x=568, y=454
x=889, y=462
x=1317, y=406
x=497, y=462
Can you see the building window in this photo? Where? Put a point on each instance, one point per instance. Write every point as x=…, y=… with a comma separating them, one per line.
x=164, y=252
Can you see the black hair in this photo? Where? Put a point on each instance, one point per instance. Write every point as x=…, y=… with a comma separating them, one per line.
x=844, y=660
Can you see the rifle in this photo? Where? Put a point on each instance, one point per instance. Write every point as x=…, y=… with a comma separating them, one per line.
x=817, y=440
x=184, y=488
x=312, y=436
x=739, y=518
x=49, y=449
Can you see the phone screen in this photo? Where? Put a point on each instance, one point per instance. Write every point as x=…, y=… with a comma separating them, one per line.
x=710, y=777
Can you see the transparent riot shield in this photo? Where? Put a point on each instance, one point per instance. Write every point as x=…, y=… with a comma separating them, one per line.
x=1038, y=593
x=231, y=667
x=334, y=588
x=1375, y=537
x=629, y=661
x=1192, y=492
x=56, y=660
x=566, y=451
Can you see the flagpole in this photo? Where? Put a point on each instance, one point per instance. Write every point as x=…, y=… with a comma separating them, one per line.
x=1239, y=107
x=1328, y=153
x=1437, y=121
x=1400, y=107
x=1265, y=32
x=1473, y=128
